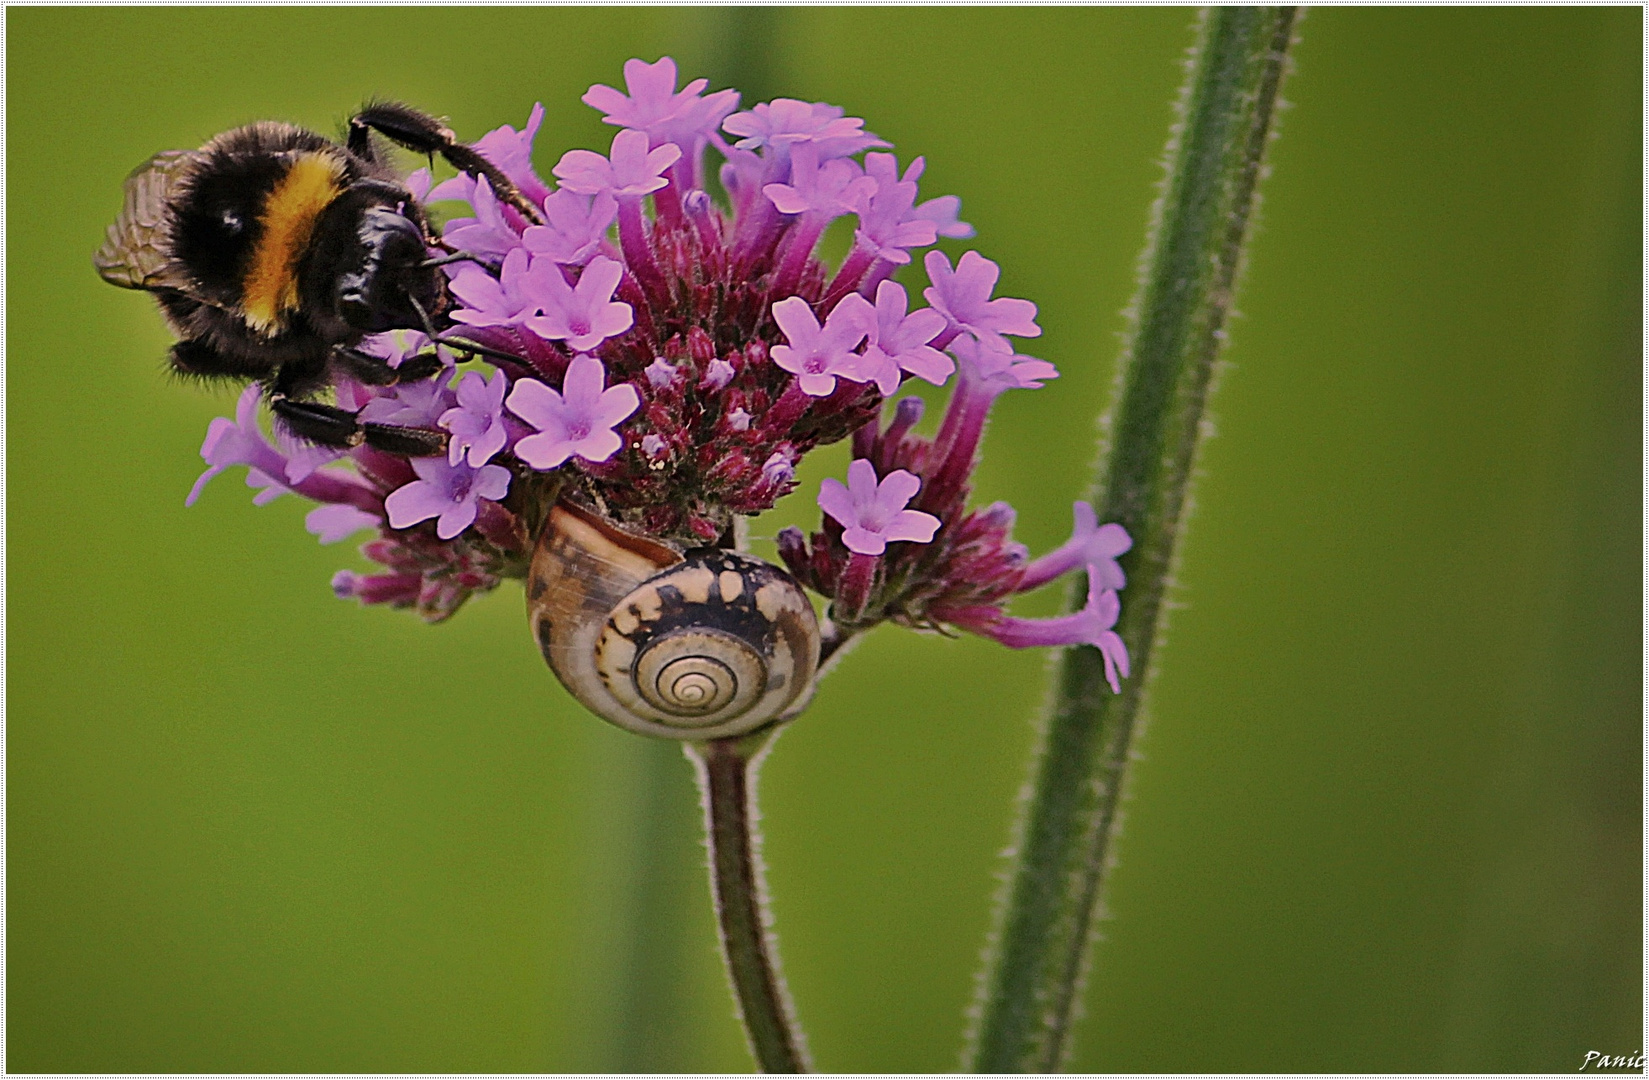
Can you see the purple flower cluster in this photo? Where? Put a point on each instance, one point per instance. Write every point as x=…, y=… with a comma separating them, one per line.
x=899, y=543
x=672, y=359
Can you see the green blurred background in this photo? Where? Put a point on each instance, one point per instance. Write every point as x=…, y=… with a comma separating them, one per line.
x=1387, y=812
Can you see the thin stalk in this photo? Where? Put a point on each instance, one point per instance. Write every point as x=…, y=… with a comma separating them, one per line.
x=727, y=779
x=726, y=770
x=1036, y=964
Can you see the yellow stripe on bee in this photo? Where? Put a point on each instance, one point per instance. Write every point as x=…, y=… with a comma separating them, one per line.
x=271, y=286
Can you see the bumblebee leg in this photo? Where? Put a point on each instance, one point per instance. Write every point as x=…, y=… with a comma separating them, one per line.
x=423, y=134
x=322, y=424
x=475, y=348
x=406, y=441
x=375, y=370
x=331, y=426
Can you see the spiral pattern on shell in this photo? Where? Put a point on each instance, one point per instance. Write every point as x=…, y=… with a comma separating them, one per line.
x=696, y=645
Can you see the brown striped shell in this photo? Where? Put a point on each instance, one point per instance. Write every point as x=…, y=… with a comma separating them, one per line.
x=700, y=644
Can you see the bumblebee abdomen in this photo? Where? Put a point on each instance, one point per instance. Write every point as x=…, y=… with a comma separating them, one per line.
x=241, y=221
x=270, y=287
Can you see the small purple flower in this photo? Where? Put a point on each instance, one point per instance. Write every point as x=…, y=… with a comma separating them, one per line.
x=964, y=297
x=459, y=188
x=1091, y=545
x=654, y=106
x=872, y=514
x=778, y=469
x=575, y=227
x=817, y=194
x=998, y=369
x=417, y=404
x=507, y=300
x=739, y=419
x=1090, y=626
x=652, y=445
x=660, y=373
x=302, y=458
x=267, y=488
x=742, y=174
x=580, y=420
x=583, y=315
x=986, y=374
x=632, y=171
x=943, y=212
x=697, y=124
x=817, y=356
x=899, y=342
x=445, y=492
x=1101, y=613
x=396, y=347
x=827, y=190
x=487, y=233
x=784, y=122
x=652, y=96
x=477, y=424
x=511, y=151
x=397, y=590
x=888, y=224
x=717, y=375
x=237, y=442
x=332, y=522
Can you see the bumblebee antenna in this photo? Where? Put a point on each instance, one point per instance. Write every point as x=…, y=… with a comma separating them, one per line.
x=423, y=317
x=456, y=257
x=457, y=343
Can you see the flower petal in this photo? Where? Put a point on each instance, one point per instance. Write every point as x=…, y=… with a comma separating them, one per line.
x=896, y=491
x=615, y=405
x=912, y=525
x=835, y=501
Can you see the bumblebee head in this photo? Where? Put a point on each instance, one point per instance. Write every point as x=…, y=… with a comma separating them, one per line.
x=365, y=272
x=378, y=295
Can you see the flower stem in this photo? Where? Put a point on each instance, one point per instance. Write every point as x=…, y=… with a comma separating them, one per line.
x=1192, y=255
x=727, y=780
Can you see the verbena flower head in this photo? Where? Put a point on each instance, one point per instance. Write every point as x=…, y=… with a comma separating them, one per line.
x=671, y=360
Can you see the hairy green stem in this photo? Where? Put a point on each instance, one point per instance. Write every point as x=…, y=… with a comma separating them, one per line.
x=1038, y=955
x=727, y=778
x=726, y=770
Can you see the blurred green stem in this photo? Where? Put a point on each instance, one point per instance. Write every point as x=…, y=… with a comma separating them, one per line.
x=649, y=998
x=727, y=778
x=650, y=1009
x=1189, y=267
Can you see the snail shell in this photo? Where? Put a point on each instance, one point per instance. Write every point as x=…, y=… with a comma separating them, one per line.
x=697, y=645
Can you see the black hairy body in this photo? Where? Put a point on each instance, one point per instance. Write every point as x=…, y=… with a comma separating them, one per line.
x=272, y=251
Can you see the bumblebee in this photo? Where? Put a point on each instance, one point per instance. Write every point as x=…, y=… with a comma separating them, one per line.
x=273, y=251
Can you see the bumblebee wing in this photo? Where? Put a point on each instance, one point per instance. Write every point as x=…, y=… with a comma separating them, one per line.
x=133, y=255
